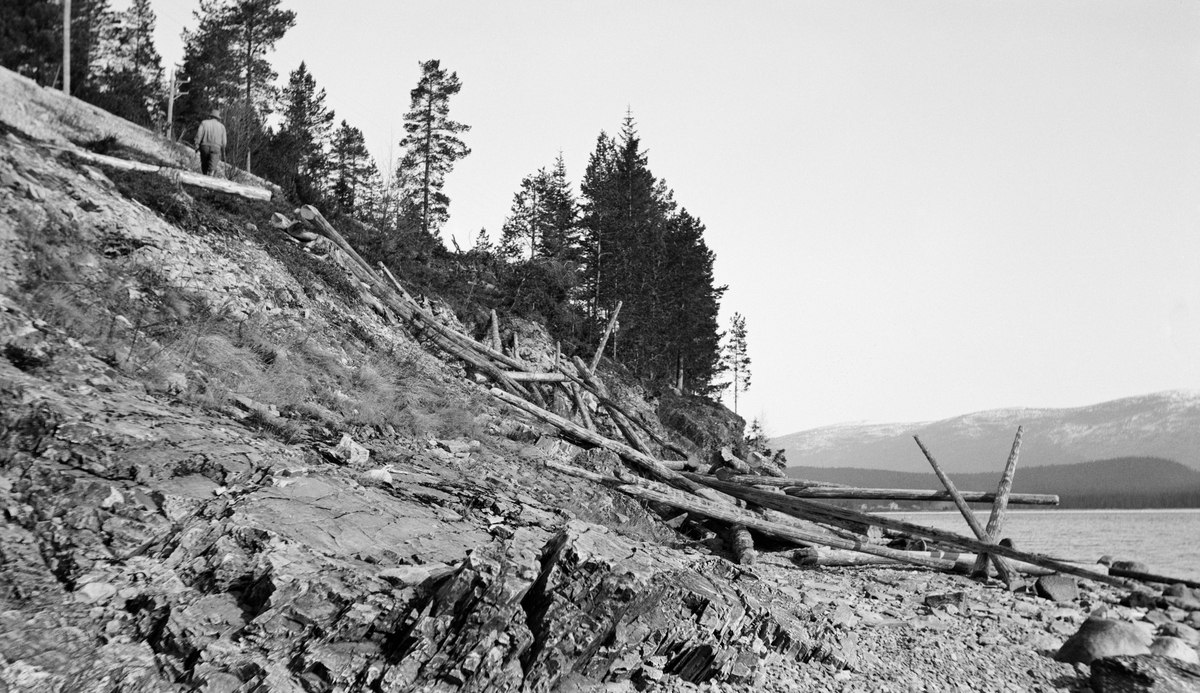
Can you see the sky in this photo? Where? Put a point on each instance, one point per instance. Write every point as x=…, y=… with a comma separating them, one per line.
x=922, y=208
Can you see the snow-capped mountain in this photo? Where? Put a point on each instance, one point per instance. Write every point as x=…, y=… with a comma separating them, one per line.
x=1165, y=424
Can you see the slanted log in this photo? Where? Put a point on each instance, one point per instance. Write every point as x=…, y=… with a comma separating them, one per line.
x=612, y=322
x=734, y=462
x=766, y=513
x=582, y=408
x=1006, y=573
x=618, y=418
x=524, y=377
x=495, y=332
x=815, y=510
x=590, y=439
x=755, y=480
x=1150, y=577
x=996, y=520
x=735, y=515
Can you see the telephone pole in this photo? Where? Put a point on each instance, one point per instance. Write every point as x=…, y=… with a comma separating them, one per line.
x=66, y=65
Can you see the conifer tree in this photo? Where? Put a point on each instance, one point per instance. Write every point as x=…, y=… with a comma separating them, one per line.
x=129, y=73
x=736, y=357
x=431, y=146
x=352, y=168
x=298, y=160
x=31, y=38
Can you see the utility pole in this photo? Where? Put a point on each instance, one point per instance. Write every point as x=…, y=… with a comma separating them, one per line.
x=66, y=66
x=173, y=94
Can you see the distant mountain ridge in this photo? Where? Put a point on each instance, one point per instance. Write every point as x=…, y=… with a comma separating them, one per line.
x=1127, y=482
x=1165, y=425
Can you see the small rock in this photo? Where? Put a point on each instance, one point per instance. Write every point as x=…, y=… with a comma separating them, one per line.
x=1175, y=648
x=941, y=601
x=1177, y=590
x=1184, y=632
x=1157, y=617
x=1058, y=588
x=351, y=452
x=1098, y=638
x=96, y=592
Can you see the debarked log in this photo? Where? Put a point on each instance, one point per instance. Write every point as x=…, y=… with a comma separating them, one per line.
x=198, y=180
x=524, y=377
x=964, y=562
x=815, y=510
x=901, y=494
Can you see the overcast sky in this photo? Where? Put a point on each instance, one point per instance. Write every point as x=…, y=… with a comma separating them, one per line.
x=923, y=209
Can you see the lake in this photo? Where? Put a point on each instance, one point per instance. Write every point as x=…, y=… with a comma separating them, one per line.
x=1168, y=541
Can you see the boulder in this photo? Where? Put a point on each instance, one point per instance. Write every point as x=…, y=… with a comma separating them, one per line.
x=1175, y=648
x=1098, y=638
x=1144, y=674
x=1182, y=631
x=1058, y=588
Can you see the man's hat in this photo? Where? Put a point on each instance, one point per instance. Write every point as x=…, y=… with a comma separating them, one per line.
x=216, y=113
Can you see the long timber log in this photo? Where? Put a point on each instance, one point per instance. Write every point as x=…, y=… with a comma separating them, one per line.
x=913, y=495
x=1006, y=572
x=963, y=562
x=590, y=439
x=995, y=523
x=198, y=180
x=815, y=510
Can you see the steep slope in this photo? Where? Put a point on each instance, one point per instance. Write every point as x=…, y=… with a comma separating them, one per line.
x=1165, y=425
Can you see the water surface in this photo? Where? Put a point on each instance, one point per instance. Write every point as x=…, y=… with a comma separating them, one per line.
x=1168, y=541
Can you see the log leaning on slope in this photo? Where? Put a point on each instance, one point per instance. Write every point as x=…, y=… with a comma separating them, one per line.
x=814, y=510
x=649, y=490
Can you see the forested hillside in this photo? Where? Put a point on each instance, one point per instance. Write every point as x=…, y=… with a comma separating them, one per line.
x=1123, y=482
x=563, y=258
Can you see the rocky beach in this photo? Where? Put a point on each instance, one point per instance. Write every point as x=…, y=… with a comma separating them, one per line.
x=226, y=466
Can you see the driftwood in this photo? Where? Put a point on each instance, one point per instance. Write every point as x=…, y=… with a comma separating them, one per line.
x=1150, y=577
x=595, y=385
x=755, y=480
x=524, y=376
x=582, y=407
x=912, y=495
x=963, y=562
x=741, y=545
x=590, y=439
x=607, y=402
x=198, y=180
x=495, y=331
x=734, y=462
x=822, y=512
x=734, y=515
x=612, y=322
x=1002, y=567
x=996, y=520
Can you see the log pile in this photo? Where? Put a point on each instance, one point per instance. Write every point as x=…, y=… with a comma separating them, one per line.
x=736, y=499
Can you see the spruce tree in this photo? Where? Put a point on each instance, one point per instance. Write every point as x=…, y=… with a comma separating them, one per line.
x=431, y=146
x=298, y=160
x=129, y=73
x=31, y=38
x=352, y=169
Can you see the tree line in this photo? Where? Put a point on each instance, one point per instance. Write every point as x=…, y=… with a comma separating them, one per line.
x=568, y=258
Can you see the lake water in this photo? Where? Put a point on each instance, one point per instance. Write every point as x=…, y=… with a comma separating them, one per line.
x=1168, y=541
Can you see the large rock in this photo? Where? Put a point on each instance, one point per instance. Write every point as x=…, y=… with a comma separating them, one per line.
x=1175, y=648
x=1098, y=638
x=1144, y=674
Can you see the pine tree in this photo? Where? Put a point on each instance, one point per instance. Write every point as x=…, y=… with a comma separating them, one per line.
x=225, y=66
x=736, y=358
x=431, y=146
x=527, y=218
x=352, y=169
x=128, y=78
x=691, y=303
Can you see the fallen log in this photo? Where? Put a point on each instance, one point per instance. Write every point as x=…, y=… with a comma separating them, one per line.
x=1002, y=567
x=912, y=495
x=607, y=401
x=963, y=562
x=815, y=510
x=614, y=412
x=527, y=377
x=754, y=480
x=741, y=545
x=590, y=439
x=1151, y=577
x=734, y=462
x=582, y=408
x=612, y=322
x=765, y=513
x=197, y=180
x=734, y=515
x=495, y=332
x=996, y=520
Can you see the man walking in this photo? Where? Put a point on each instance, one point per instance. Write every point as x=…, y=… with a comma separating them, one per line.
x=210, y=140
